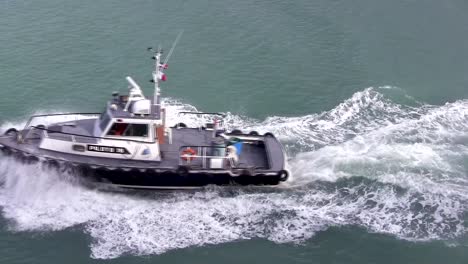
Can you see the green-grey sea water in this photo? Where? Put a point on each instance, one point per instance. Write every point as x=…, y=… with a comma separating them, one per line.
x=370, y=99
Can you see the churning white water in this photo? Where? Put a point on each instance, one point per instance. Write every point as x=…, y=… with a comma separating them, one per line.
x=389, y=168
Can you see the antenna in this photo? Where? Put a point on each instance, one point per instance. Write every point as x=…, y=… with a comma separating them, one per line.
x=157, y=74
x=173, y=46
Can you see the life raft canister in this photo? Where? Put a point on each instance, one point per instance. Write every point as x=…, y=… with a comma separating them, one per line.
x=188, y=154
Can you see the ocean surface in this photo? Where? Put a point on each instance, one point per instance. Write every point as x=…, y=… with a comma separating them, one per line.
x=370, y=99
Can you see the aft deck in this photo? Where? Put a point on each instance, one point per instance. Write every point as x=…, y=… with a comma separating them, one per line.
x=253, y=153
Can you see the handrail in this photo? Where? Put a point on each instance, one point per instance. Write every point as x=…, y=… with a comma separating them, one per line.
x=202, y=113
x=59, y=114
x=201, y=153
x=200, y=146
x=86, y=136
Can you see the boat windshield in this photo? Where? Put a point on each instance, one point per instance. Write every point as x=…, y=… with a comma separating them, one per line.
x=128, y=130
x=104, y=120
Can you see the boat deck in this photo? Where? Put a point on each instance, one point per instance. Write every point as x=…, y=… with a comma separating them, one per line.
x=253, y=154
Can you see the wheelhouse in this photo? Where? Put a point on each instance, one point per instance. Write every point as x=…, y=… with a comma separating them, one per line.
x=125, y=128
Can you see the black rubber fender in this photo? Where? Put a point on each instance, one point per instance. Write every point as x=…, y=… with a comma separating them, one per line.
x=246, y=172
x=253, y=133
x=236, y=173
x=182, y=171
x=11, y=132
x=236, y=132
x=283, y=175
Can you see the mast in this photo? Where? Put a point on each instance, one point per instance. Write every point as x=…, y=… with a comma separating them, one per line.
x=157, y=74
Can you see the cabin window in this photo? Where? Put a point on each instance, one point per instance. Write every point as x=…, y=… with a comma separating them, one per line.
x=128, y=130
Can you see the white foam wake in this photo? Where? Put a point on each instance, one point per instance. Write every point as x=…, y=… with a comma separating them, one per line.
x=390, y=168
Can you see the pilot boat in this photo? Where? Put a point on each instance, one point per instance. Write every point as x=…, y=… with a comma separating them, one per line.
x=130, y=145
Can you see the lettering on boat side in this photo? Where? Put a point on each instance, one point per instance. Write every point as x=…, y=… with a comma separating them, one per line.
x=107, y=149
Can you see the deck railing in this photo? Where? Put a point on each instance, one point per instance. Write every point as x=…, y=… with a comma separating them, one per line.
x=28, y=125
x=59, y=114
x=48, y=133
x=72, y=137
x=203, y=157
